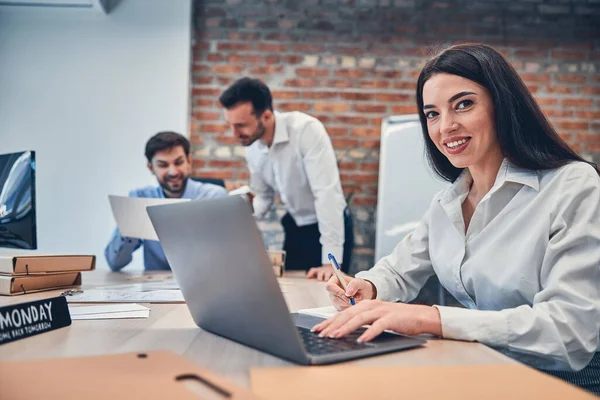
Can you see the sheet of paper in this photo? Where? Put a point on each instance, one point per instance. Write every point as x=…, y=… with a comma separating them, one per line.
x=109, y=311
x=126, y=296
x=241, y=190
x=113, y=315
x=106, y=308
x=323, y=312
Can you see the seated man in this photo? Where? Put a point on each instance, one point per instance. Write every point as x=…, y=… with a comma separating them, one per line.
x=169, y=159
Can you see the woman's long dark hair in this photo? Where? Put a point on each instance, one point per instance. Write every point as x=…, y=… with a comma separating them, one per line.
x=525, y=135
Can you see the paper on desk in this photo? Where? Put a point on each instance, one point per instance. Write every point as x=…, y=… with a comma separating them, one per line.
x=323, y=312
x=126, y=296
x=109, y=311
x=241, y=190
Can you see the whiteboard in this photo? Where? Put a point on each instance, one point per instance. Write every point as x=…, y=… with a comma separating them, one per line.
x=407, y=183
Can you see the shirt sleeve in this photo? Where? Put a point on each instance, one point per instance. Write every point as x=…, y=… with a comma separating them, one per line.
x=400, y=276
x=263, y=193
x=563, y=323
x=118, y=252
x=323, y=176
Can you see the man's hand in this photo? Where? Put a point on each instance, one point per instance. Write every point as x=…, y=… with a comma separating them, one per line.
x=322, y=273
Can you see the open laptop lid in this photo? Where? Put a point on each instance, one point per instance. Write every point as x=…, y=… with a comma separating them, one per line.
x=218, y=258
x=131, y=216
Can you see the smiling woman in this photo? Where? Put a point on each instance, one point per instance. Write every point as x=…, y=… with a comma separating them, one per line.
x=515, y=237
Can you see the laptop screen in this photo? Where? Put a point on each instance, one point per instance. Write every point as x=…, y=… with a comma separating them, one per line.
x=17, y=200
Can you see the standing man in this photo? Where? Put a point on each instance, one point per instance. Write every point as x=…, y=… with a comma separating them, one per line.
x=169, y=159
x=291, y=154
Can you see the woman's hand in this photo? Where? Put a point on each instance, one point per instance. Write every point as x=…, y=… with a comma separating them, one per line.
x=408, y=319
x=357, y=288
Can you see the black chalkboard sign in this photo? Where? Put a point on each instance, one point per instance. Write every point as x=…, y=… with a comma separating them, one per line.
x=27, y=319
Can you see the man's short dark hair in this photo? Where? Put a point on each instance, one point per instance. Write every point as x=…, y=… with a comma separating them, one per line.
x=246, y=90
x=166, y=140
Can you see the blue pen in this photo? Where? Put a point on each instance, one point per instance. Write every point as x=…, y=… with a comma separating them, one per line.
x=338, y=272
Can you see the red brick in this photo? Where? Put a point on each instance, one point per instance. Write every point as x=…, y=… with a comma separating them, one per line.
x=196, y=139
x=371, y=84
x=404, y=109
x=531, y=53
x=349, y=73
x=323, y=118
x=250, y=36
x=376, y=121
x=414, y=75
x=590, y=90
x=394, y=97
x=371, y=144
x=588, y=114
x=213, y=128
x=203, y=80
x=364, y=201
x=351, y=120
x=301, y=82
x=285, y=94
x=293, y=59
x=533, y=88
x=201, y=46
x=198, y=68
x=267, y=70
x=571, y=78
x=228, y=69
x=370, y=108
x=365, y=132
x=348, y=166
x=572, y=125
x=357, y=96
x=544, y=78
x=204, y=103
x=272, y=47
x=272, y=59
x=234, y=46
x=304, y=107
x=359, y=178
x=349, y=50
x=391, y=74
x=216, y=174
x=369, y=166
x=338, y=83
x=545, y=101
x=575, y=102
x=206, y=116
x=215, y=57
x=332, y=107
x=558, y=113
x=205, y=92
x=406, y=85
x=245, y=175
x=224, y=80
x=227, y=140
x=344, y=143
x=226, y=164
x=320, y=95
x=244, y=59
x=311, y=72
x=308, y=48
x=568, y=55
x=337, y=131
x=559, y=89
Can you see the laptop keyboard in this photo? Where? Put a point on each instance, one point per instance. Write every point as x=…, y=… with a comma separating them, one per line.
x=318, y=345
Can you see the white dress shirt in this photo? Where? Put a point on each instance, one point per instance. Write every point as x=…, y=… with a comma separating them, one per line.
x=527, y=269
x=301, y=167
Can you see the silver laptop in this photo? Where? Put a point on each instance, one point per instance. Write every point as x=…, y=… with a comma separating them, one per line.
x=219, y=260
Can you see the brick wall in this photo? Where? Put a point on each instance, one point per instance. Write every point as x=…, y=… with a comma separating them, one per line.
x=352, y=62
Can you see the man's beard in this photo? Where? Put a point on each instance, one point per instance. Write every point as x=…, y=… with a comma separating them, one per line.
x=258, y=133
x=173, y=191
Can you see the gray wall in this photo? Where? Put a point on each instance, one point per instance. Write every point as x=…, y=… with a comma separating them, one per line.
x=85, y=90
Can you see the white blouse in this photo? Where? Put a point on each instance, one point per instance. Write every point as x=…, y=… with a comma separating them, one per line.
x=527, y=269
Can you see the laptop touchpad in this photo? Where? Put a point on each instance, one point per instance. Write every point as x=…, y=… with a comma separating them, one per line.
x=306, y=321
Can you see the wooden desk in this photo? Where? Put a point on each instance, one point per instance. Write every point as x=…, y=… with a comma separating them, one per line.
x=171, y=327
